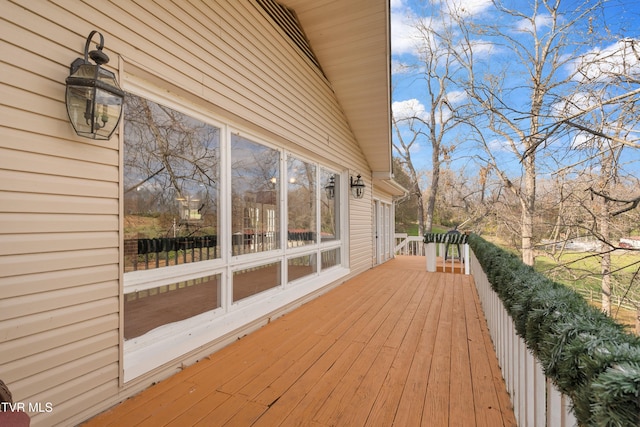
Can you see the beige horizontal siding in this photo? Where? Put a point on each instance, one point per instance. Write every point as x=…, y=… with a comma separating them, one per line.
x=12, y=244
x=43, y=341
x=26, y=305
x=49, y=359
x=28, y=182
x=60, y=223
x=96, y=387
x=58, y=226
x=47, y=203
x=49, y=165
x=60, y=374
x=59, y=194
x=53, y=280
x=24, y=326
x=95, y=153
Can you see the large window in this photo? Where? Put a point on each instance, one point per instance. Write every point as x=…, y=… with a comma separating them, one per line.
x=213, y=221
x=255, y=196
x=171, y=186
x=301, y=202
x=171, y=203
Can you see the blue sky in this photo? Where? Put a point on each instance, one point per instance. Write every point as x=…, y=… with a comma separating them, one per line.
x=622, y=18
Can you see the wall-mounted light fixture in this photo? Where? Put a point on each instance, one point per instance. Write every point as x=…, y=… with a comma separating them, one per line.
x=357, y=187
x=94, y=99
x=330, y=188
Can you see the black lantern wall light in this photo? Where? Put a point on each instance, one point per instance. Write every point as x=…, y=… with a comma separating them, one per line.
x=357, y=187
x=94, y=99
x=330, y=188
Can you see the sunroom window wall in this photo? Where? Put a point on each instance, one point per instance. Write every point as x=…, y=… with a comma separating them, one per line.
x=204, y=229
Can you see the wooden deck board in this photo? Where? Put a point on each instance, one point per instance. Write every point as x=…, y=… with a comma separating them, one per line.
x=394, y=346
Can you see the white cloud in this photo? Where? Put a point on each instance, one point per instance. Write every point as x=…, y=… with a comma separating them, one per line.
x=576, y=103
x=498, y=145
x=406, y=37
x=396, y=4
x=469, y=7
x=403, y=34
x=502, y=145
x=456, y=97
x=406, y=110
x=399, y=67
x=620, y=58
x=541, y=21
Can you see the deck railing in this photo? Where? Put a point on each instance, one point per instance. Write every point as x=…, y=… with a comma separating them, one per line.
x=443, y=251
x=448, y=249
x=564, y=363
x=536, y=401
x=409, y=245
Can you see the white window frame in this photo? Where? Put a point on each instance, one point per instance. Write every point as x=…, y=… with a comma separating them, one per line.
x=169, y=342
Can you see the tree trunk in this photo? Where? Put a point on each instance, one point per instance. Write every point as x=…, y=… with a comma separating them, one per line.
x=606, y=283
x=605, y=264
x=421, y=228
x=528, y=198
x=433, y=190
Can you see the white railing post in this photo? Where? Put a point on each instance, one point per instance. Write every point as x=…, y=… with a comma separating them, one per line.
x=465, y=259
x=536, y=401
x=430, y=255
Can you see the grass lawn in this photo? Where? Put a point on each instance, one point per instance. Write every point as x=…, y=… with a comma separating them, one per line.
x=581, y=271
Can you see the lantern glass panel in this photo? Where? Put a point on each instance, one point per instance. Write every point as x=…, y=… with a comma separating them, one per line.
x=94, y=102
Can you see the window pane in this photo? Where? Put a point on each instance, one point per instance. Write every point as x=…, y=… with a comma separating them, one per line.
x=255, y=280
x=301, y=267
x=330, y=258
x=148, y=309
x=171, y=196
x=301, y=198
x=329, y=212
x=255, y=177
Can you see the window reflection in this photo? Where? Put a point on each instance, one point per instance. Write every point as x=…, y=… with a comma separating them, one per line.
x=171, y=191
x=254, y=280
x=330, y=258
x=301, y=266
x=255, y=196
x=301, y=198
x=151, y=308
x=329, y=211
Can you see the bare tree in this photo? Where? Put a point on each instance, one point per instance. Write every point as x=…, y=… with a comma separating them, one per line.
x=516, y=97
x=403, y=146
x=431, y=123
x=602, y=115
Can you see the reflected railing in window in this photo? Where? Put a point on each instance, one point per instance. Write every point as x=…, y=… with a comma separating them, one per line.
x=330, y=258
x=252, y=281
x=148, y=309
x=146, y=254
x=302, y=266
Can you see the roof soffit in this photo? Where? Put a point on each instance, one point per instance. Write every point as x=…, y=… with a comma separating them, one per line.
x=351, y=42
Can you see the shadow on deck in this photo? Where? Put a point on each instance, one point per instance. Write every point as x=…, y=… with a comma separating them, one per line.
x=393, y=346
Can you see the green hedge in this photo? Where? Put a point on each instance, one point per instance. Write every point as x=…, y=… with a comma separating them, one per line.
x=587, y=355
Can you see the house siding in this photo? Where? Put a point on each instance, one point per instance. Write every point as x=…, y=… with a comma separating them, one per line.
x=60, y=243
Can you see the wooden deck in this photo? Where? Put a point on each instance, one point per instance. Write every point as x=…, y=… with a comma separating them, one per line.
x=394, y=346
